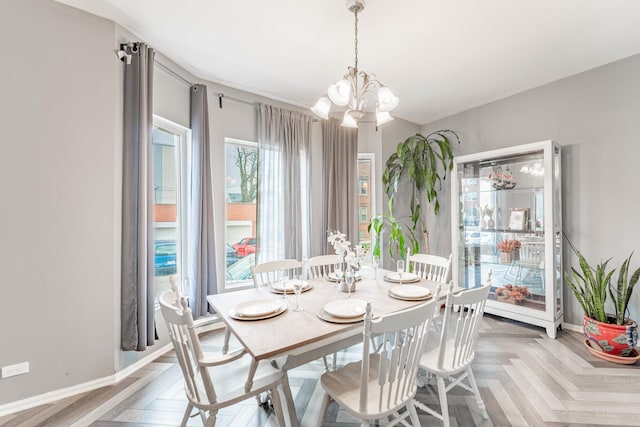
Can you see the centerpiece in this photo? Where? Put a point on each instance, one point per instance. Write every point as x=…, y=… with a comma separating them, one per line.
x=352, y=258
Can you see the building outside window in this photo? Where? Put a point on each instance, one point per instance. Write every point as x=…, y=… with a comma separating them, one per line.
x=241, y=187
x=366, y=190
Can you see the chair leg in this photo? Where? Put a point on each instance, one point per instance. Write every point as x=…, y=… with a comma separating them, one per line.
x=187, y=414
x=225, y=344
x=326, y=399
x=277, y=406
x=444, y=406
x=413, y=414
x=211, y=421
x=476, y=392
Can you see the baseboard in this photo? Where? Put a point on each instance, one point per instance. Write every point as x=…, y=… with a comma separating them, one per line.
x=572, y=327
x=202, y=325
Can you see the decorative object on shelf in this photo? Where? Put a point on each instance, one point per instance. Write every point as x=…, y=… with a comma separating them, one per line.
x=509, y=250
x=487, y=212
x=424, y=161
x=611, y=334
x=358, y=91
x=502, y=180
x=512, y=294
x=518, y=219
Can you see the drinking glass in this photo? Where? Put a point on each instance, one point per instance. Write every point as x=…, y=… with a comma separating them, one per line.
x=375, y=263
x=284, y=278
x=349, y=280
x=297, y=288
x=400, y=268
x=338, y=272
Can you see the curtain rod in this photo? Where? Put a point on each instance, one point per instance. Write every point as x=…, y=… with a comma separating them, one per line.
x=173, y=73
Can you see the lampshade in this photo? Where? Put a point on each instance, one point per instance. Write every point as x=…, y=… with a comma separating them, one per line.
x=322, y=107
x=383, y=117
x=387, y=101
x=340, y=92
x=348, y=121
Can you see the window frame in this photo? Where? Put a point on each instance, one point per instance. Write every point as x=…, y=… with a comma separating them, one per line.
x=183, y=167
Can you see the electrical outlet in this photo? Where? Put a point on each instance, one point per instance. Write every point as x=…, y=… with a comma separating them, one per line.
x=13, y=370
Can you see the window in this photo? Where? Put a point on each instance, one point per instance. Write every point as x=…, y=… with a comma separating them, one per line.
x=168, y=151
x=363, y=186
x=366, y=190
x=364, y=214
x=241, y=187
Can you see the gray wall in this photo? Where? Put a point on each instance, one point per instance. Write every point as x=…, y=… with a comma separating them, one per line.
x=595, y=116
x=60, y=172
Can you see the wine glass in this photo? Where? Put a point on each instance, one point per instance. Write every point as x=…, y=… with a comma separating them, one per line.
x=400, y=268
x=349, y=280
x=297, y=288
x=375, y=263
x=338, y=272
x=284, y=280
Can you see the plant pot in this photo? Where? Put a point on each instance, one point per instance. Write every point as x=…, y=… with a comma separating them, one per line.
x=617, y=340
x=505, y=257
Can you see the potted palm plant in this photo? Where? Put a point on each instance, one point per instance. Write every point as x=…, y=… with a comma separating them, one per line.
x=609, y=334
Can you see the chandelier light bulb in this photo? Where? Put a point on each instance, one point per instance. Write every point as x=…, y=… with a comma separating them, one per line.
x=340, y=92
x=322, y=107
x=387, y=101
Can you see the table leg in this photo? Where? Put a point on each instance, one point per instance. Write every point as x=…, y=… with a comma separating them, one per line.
x=289, y=405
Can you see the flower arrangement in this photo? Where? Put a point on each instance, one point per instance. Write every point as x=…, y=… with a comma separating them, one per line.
x=509, y=245
x=342, y=246
x=513, y=292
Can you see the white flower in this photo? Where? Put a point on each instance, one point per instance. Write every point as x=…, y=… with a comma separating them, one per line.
x=343, y=247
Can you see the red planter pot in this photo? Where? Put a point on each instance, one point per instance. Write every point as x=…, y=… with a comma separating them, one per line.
x=617, y=340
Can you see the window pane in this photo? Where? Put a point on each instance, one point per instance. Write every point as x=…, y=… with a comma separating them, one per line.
x=365, y=190
x=241, y=185
x=165, y=151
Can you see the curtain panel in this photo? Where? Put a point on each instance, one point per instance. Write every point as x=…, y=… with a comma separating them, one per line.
x=340, y=180
x=201, y=271
x=283, y=183
x=137, y=277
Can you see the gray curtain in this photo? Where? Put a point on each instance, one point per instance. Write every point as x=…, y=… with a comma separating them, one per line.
x=137, y=282
x=283, y=183
x=340, y=180
x=201, y=270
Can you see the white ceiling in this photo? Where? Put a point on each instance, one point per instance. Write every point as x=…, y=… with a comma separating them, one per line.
x=439, y=57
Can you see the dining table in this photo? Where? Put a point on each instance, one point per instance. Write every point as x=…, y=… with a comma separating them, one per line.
x=294, y=338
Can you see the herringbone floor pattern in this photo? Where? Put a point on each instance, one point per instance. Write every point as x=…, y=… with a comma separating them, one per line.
x=525, y=379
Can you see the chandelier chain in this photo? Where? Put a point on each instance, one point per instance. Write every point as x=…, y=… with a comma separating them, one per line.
x=356, y=39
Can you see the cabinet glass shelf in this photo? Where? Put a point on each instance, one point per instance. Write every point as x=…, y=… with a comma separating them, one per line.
x=507, y=230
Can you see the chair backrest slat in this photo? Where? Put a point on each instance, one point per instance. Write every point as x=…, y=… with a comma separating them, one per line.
x=431, y=267
x=460, y=326
x=395, y=363
x=177, y=315
x=322, y=265
x=273, y=271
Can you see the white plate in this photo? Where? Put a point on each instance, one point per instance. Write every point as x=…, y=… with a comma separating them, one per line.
x=257, y=308
x=281, y=308
x=410, y=292
x=332, y=319
x=333, y=278
x=406, y=277
x=281, y=286
x=346, y=308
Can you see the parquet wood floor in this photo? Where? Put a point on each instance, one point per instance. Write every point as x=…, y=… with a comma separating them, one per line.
x=525, y=378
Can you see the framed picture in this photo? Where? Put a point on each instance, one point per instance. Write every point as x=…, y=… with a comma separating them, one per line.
x=518, y=219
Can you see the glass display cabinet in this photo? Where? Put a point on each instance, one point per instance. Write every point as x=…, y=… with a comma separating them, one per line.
x=507, y=229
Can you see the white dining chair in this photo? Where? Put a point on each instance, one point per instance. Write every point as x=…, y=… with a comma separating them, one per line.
x=449, y=360
x=383, y=382
x=272, y=271
x=320, y=266
x=212, y=382
x=431, y=267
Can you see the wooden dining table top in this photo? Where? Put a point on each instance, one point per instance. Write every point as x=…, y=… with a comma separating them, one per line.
x=279, y=335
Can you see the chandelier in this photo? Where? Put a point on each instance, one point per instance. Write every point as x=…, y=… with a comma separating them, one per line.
x=358, y=91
